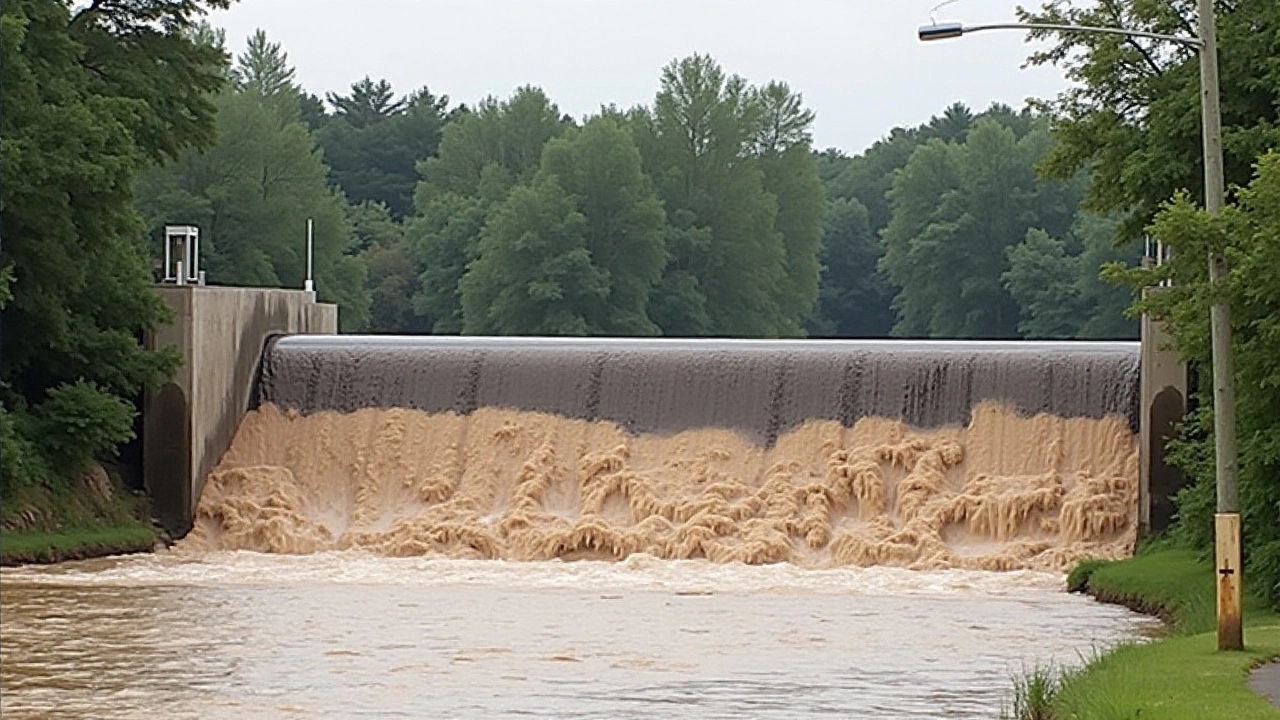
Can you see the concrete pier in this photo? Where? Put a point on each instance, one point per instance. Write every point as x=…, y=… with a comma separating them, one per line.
x=189, y=423
x=1164, y=404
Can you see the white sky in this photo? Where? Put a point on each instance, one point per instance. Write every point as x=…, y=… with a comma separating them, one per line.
x=857, y=62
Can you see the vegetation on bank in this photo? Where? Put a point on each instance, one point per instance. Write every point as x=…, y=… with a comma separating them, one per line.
x=1133, y=120
x=36, y=546
x=92, y=516
x=92, y=96
x=1172, y=582
x=1176, y=677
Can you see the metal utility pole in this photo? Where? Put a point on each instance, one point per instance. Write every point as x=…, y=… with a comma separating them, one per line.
x=1227, y=532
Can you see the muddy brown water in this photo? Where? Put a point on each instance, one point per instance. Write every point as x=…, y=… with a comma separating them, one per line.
x=343, y=635
x=470, y=528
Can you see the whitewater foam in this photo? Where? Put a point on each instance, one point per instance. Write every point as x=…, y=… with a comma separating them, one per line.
x=1004, y=492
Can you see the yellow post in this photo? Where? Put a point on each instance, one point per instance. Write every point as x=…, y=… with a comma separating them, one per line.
x=1230, y=582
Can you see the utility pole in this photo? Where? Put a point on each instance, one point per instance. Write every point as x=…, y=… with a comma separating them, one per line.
x=1227, y=532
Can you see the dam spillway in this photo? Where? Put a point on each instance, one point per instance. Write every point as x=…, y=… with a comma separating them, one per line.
x=759, y=388
x=915, y=454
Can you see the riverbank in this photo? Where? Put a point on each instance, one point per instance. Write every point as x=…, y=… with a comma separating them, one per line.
x=91, y=517
x=1182, y=675
x=37, y=546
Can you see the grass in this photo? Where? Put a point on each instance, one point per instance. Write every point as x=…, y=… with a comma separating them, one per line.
x=1173, y=583
x=1034, y=692
x=35, y=546
x=1182, y=676
x=89, y=517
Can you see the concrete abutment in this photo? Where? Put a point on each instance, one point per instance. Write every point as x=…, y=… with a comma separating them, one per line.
x=189, y=422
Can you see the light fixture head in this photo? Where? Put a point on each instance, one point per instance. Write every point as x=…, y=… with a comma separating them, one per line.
x=941, y=31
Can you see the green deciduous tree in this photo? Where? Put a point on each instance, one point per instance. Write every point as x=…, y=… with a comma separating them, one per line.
x=737, y=252
x=855, y=297
x=392, y=273
x=1042, y=280
x=791, y=176
x=508, y=135
x=600, y=166
x=577, y=252
x=535, y=273
x=251, y=195
x=703, y=127
x=1057, y=285
x=483, y=154
x=957, y=208
x=444, y=239
x=1132, y=116
x=91, y=96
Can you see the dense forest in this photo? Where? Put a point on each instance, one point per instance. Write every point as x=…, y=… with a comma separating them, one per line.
x=706, y=212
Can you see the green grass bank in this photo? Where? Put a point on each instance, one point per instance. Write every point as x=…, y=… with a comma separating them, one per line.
x=90, y=517
x=38, y=546
x=1179, y=676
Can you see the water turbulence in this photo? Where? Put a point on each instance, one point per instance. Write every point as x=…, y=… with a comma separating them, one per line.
x=923, y=455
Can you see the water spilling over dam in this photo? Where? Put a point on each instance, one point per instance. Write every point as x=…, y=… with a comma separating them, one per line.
x=921, y=455
x=760, y=388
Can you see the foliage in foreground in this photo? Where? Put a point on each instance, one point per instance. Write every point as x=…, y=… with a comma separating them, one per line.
x=1179, y=678
x=91, y=97
x=1132, y=115
x=1132, y=120
x=1034, y=692
x=1247, y=232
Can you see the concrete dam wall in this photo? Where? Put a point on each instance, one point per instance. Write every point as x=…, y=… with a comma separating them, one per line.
x=916, y=454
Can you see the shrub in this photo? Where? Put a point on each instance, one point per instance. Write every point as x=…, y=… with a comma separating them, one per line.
x=79, y=423
x=1078, y=578
x=21, y=462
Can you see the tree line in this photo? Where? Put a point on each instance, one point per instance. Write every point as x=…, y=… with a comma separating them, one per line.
x=704, y=213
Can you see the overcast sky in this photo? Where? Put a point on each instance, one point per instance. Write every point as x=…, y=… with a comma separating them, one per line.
x=857, y=62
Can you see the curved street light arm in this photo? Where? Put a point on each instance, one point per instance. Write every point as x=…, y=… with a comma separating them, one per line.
x=947, y=30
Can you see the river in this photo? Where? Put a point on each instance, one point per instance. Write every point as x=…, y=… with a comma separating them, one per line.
x=333, y=635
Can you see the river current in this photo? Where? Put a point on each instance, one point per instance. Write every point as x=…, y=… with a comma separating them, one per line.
x=343, y=635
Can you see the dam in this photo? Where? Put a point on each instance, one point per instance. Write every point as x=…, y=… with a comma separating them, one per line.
x=990, y=456
x=549, y=528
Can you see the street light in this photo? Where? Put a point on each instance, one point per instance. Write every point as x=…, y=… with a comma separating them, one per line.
x=1227, y=520
x=942, y=31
